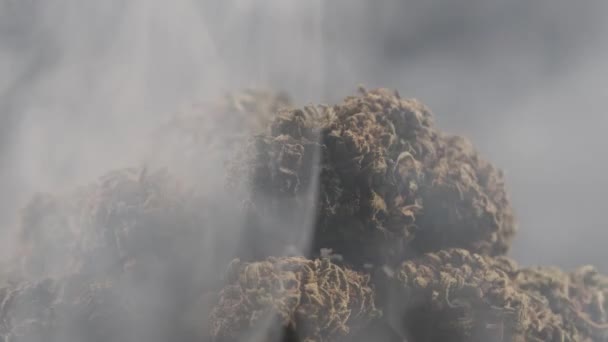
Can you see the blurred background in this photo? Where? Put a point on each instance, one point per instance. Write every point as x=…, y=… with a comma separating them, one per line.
x=82, y=81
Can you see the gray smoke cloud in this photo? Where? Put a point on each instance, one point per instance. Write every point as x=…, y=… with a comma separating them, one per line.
x=83, y=83
x=522, y=79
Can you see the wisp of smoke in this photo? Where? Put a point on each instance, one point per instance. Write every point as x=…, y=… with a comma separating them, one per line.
x=84, y=84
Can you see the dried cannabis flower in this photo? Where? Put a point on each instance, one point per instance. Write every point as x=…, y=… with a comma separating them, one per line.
x=387, y=192
x=579, y=297
x=314, y=299
x=128, y=217
x=48, y=234
x=58, y=310
x=389, y=184
x=461, y=296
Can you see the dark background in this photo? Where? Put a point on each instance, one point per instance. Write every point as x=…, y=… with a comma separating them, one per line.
x=525, y=80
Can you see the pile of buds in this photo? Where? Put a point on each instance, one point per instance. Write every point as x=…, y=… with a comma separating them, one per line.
x=401, y=233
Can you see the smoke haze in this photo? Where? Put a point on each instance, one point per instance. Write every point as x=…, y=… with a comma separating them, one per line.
x=523, y=79
x=84, y=83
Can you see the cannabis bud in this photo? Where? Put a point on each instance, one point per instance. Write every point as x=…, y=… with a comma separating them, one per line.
x=457, y=295
x=408, y=229
x=385, y=183
x=314, y=300
x=578, y=297
x=71, y=308
x=128, y=216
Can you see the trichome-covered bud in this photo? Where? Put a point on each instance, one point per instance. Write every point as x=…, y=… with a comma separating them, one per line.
x=456, y=295
x=48, y=233
x=385, y=182
x=68, y=309
x=128, y=216
x=314, y=300
x=579, y=297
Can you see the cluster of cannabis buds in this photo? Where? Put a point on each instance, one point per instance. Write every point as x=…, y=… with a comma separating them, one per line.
x=400, y=232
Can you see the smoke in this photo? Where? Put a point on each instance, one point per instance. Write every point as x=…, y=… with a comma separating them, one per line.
x=85, y=86
x=84, y=83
